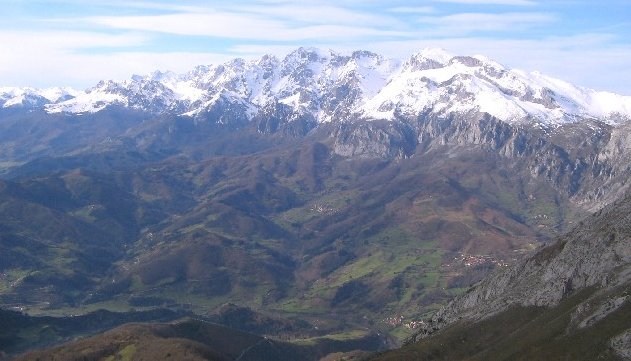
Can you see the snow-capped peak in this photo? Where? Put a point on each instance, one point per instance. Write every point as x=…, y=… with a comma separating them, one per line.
x=332, y=86
x=32, y=98
x=489, y=62
x=437, y=54
x=303, y=54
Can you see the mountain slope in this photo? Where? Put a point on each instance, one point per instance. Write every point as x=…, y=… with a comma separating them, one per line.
x=571, y=299
x=190, y=339
x=60, y=234
x=294, y=231
x=21, y=332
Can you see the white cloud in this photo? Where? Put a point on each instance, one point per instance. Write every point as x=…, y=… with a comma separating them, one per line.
x=491, y=2
x=318, y=14
x=45, y=40
x=413, y=9
x=153, y=6
x=45, y=59
x=248, y=50
x=85, y=70
x=233, y=25
x=466, y=23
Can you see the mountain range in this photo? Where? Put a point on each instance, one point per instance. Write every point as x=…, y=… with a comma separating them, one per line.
x=351, y=194
x=324, y=86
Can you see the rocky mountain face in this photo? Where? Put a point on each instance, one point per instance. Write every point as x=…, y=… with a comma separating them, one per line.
x=351, y=191
x=372, y=106
x=582, y=281
x=594, y=254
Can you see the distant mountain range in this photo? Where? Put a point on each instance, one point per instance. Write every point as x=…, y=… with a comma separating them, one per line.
x=326, y=86
x=354, y=194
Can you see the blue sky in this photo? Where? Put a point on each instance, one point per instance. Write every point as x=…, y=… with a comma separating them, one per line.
x=76, y=43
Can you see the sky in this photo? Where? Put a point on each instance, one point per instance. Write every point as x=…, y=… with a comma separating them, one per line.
x=46, y=43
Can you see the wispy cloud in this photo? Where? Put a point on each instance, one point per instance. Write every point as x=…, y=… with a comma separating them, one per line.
x=413, y=9
x=68, y=40
x=61, y=58
x=154, y=6
x=491, y=2
x=257, y=23
x=318, y=14
x=466, y=23
x=248, y=50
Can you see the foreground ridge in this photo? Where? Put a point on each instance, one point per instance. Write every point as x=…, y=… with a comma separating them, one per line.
x=569, y=299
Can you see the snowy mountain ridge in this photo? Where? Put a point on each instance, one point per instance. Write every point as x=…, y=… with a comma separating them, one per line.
x=329, y=86
x=34, y=98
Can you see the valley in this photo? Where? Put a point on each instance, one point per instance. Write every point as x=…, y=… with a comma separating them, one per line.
x=292, y=196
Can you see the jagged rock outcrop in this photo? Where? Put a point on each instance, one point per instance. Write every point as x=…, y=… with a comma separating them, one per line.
x=622, y=345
